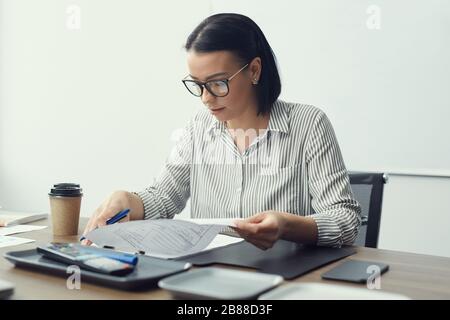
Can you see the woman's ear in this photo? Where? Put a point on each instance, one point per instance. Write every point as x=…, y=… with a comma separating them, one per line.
x=255, y=70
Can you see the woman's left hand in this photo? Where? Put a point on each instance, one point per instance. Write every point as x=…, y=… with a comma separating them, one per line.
x=262, y=229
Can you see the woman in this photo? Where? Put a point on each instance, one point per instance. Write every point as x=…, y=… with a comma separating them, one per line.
x=248, y=154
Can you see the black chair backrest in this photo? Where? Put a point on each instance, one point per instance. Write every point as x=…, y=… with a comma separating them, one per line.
x=368, y=191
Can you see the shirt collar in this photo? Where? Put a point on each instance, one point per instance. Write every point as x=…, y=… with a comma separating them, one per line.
x=278, y=121
x=216, y=126
x=279, y=118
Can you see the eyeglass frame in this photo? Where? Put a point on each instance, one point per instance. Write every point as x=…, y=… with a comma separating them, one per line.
x=202, y=85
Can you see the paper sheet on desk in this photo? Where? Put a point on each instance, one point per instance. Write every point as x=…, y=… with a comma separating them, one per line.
x=12, y=241
x=4, y=231
x=163, y=238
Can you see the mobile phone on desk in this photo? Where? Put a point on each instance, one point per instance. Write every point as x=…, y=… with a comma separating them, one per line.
x=356, y=271
x=109, y=252
x=93, y=261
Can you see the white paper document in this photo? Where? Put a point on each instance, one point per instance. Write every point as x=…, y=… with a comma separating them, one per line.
x=163, y=238
x=228, y=222
x=9, y=218
x=225, y=222
x=12, y=241
x=221, y=241
x=5, y=231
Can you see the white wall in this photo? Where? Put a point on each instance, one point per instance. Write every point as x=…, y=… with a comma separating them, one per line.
x=379, y=68
x=98, y=105
x=416, y=215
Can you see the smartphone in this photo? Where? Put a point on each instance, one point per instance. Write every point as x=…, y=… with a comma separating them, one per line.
x=356, y=271
x=75, y=255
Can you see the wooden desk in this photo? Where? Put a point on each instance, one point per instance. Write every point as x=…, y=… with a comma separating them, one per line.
x=414, y=275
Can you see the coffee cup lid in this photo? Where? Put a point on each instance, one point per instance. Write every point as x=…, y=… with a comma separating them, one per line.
x=66, y=185
x=66, y=190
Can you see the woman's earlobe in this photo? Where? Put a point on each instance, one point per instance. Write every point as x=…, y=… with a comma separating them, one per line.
x=255, y=79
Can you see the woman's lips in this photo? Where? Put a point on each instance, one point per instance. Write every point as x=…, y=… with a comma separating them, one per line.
x=216, y=110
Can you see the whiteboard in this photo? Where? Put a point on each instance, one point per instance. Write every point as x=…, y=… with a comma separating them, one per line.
x=379, y=69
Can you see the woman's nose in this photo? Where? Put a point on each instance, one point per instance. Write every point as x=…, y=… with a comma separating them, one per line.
x=207, y=97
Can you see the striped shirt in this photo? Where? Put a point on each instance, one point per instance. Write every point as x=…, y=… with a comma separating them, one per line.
x=296, y=166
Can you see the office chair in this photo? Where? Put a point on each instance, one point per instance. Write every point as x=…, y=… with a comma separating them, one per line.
x=368, y=191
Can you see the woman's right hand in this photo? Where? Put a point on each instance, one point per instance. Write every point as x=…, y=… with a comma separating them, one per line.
x=116, y=202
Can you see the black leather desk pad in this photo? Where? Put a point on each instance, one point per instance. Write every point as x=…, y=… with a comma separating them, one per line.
x=285, y=258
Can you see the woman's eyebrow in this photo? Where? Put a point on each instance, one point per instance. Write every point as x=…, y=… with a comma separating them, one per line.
x=211, y=76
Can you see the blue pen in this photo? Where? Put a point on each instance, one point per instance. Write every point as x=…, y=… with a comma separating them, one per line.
x=122, y=214
x=117, y=217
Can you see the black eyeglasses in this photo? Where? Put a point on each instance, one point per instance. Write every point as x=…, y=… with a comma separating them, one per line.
x=218, y=88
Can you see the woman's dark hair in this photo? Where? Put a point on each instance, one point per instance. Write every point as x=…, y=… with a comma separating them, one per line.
x=242, y=36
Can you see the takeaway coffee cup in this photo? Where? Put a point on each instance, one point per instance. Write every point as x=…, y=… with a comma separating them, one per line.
x=65, y=202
